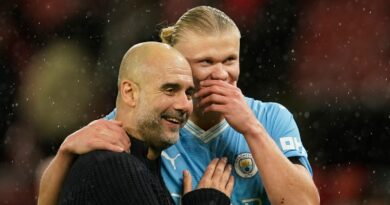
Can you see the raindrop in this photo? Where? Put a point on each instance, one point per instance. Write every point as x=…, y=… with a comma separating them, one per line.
x=357, y=114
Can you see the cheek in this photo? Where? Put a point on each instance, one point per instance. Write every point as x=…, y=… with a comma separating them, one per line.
x=202, y=73
x=199, y=74
x=234, y=72
x=191, y=106
x=164, y=103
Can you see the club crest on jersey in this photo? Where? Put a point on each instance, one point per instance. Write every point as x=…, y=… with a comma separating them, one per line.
x=245, y=165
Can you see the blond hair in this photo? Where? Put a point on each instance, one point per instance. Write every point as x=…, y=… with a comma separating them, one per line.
x=201, y=20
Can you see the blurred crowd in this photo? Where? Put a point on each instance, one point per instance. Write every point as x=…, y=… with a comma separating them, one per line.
x=328, y=62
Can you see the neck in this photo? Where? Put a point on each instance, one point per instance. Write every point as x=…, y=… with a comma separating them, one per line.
x=206, y=120
x=153, y=153
x=128, y=123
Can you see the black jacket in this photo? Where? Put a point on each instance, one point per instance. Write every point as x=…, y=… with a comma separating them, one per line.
x=104, y=177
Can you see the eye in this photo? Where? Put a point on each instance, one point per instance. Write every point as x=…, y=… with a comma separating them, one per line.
x=169, y=91
x=230, y=60
x=190, y=93
x=205, y=62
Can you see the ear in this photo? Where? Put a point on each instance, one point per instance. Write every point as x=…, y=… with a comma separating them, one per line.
x=129, y=92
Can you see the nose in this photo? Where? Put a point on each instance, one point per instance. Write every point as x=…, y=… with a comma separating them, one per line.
x=183, y=103
x=218, y=72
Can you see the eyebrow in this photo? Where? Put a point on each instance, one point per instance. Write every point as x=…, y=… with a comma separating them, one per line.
x=232, y=56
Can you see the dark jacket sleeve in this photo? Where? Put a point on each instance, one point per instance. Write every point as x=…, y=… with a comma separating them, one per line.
x=205, y=196
x=103, y=177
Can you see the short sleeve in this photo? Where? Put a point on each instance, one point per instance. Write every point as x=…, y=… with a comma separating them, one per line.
x=281, y=126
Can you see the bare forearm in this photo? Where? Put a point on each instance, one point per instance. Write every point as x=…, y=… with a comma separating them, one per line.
x=284, y=182
x=53, y=178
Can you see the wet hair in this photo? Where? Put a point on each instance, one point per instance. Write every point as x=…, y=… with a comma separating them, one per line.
x=201, y=20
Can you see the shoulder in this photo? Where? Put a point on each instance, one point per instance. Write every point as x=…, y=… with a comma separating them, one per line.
x=96, y=160
x=105, y=167
x=105, y=177
x=270, y=109
x=91, y=173
x=102, y=156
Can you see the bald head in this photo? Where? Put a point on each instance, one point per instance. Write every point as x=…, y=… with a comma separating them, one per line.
x=145, y=59
x=154, y=93
x=146, y=62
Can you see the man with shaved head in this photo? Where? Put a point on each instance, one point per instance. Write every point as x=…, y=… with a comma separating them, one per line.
x=154, y=101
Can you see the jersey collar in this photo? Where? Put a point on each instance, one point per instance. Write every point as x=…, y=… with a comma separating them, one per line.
x=206, y=136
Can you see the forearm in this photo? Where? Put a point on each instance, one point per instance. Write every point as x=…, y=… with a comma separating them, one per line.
x=53, y=178
x=284, y=182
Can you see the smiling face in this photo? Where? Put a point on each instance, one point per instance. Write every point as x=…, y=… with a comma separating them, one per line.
x=214, y=56
x=165, y=101
x=210, y=41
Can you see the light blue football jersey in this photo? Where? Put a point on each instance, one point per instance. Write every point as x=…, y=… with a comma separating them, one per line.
x=196, y=148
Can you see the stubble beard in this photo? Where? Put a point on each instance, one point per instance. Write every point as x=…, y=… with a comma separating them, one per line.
x=152, y=131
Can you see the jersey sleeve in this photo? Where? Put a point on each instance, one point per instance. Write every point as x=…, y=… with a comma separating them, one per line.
x=281, y=126
x=107, y=178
